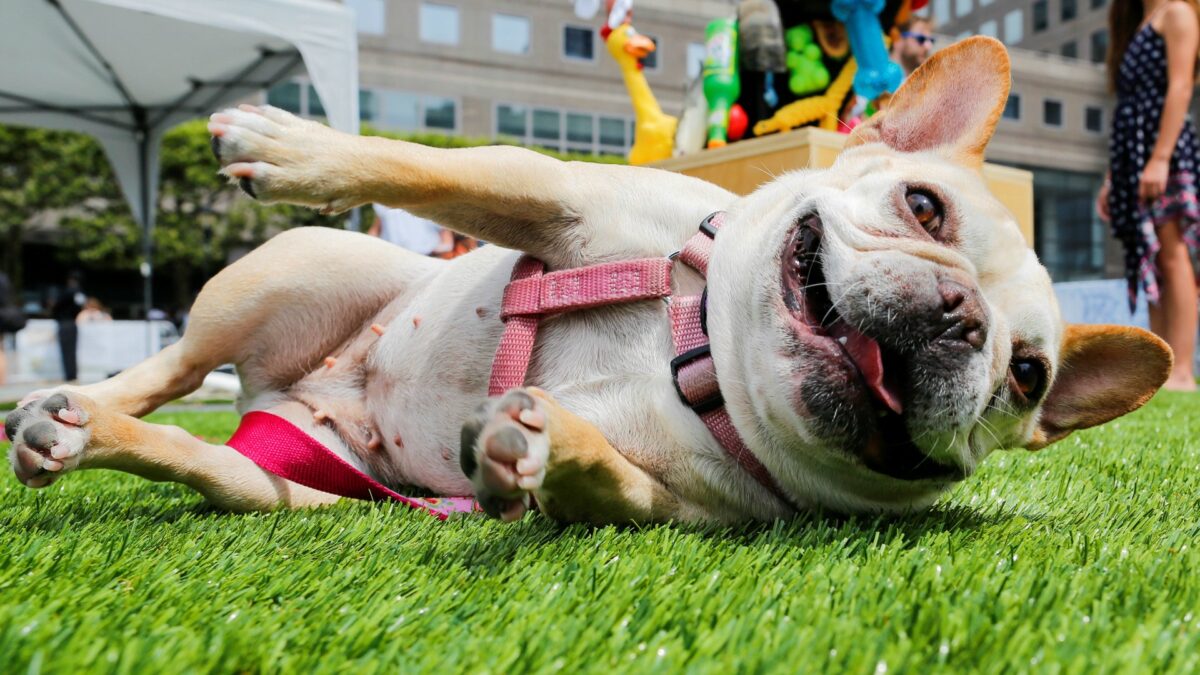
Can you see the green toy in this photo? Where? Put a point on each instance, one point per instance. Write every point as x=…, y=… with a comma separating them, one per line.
x=808, y=72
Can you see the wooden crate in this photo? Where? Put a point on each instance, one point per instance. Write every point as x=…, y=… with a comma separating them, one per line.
x=743, y=166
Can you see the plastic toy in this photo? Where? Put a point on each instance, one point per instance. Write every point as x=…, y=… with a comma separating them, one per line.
x=692, y=130
x=822, y=109
x=654, y=131
x=721, y=84
x=877, y=74
x=808, y=72
x=737, y=122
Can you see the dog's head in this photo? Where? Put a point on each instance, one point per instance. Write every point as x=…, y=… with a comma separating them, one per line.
x=905, y=329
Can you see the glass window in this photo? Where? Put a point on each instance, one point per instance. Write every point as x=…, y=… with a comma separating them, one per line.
x=440, y=113
x=366, y=105
x=985, y=3
x=612, y=131
x=1052, y=113
x=1093, y=119
x=1012, y=107
x=1014, y=27
x=651, y=60
x=1069, y=238
x=510, y=34
x=1097, y=4
x=369, y=16
x=580, y=128
x=315, y=108
x=1067, y=9
x=439, y=24
x=1041, y=15
x=962, y=8
x=398, y=110
x=579, y=43
x=1099, y=46
x=512, y=120
x=547, y=125
x=1070, y=50
x=285, y=96
x=941, y=12
x=695, y=59
x=989, y=28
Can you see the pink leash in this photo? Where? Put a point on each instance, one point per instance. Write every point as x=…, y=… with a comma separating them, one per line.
x=280, y=447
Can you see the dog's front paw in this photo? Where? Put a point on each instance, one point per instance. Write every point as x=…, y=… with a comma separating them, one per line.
x=505, y=449
x=48, y=435
x=277, y=157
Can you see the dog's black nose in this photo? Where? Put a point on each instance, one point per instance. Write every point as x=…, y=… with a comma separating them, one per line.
x=962, y=316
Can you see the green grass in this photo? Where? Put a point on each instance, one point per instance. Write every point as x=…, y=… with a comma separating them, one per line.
x=1080, y=559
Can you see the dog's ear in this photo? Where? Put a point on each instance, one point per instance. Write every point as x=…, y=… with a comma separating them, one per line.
x=951, y=102
x=1103, y=373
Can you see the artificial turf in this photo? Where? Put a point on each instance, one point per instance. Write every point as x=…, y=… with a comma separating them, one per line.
x=1082, y=558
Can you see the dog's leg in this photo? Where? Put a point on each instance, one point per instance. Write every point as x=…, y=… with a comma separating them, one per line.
x=564, y=213
x=67, y=431
x=523, y=443
x=275, y=314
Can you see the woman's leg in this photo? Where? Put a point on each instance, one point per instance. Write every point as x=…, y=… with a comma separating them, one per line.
x=1177, y=312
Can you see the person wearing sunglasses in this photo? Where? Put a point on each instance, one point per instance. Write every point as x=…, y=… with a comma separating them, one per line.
x=915, y=44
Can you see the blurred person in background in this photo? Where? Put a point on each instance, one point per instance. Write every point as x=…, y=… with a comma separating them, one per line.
x=63, y=310
x=1150, y=194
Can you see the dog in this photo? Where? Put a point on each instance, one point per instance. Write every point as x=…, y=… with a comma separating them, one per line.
x=876, y=328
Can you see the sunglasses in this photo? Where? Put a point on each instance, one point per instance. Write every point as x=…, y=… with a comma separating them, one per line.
x=921, y=38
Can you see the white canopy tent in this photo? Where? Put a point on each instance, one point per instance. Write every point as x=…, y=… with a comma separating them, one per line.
x=126, y=71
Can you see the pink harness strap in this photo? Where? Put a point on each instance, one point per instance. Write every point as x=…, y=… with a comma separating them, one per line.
x=280, y=447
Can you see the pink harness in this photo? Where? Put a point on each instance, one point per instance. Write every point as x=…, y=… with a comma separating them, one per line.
x=280, y=447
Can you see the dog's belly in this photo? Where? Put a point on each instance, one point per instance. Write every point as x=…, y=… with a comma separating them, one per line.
x=430, y=370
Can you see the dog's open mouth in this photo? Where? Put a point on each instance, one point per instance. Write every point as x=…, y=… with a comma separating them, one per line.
x=889, y=449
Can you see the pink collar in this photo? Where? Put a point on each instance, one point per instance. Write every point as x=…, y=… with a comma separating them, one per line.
x=533, y=294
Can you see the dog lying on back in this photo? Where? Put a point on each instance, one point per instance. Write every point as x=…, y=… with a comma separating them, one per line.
x=876, y=329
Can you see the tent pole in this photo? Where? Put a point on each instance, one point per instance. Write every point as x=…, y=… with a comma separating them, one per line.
x=147, y=266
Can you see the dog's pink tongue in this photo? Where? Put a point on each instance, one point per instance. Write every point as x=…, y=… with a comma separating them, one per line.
x=867, y=356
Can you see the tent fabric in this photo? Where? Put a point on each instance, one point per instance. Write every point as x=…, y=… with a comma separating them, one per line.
x=174, y=59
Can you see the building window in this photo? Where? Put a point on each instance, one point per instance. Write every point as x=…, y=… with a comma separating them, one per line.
x=579, y=43
x=440, y=113
x=369, y=16
x=695, y=59
x=1041, y=15
x=1066, y=10
x=1069, y=239
x=989, y=28
x=941, y=12
x=985, y=3
x=398, y=110
x=439, y=24
x=651, y=60
x=510, y=34
x=1012, y=108
x=1014, y=27
x=1093, y=119
x=565, y=131
x=285, y=96
x=1052, y=113
x=1070, y=50
x=962, y=8
x=1099, y=46
x=405, y=111
x=1097, y=4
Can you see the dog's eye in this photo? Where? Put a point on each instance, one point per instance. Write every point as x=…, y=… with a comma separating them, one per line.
x=1027, y=377
x=926, y=209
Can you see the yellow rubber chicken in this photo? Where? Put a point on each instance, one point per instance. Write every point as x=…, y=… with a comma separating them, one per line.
x=822, y=108
x=654, y=136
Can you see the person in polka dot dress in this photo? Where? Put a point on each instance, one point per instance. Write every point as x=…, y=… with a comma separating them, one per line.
x=1150, y=196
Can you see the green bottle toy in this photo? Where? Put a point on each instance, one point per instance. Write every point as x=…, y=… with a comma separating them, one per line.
x=721, y=85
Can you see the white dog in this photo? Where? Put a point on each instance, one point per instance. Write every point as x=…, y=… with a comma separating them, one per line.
x=876, y=329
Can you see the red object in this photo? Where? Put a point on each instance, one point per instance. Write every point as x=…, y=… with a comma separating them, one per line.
x=918, y=4
x=737, y=122
x=531, y=295
x=278, y=446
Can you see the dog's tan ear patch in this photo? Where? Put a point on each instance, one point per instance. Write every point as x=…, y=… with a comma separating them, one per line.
x=952, y=101
x=1104, y=372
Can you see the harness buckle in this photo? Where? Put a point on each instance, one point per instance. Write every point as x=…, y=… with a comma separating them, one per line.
x=707, y=227
x=713, y=401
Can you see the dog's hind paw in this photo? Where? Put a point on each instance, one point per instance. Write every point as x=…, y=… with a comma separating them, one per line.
x=49, y=435
x=505, y=448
